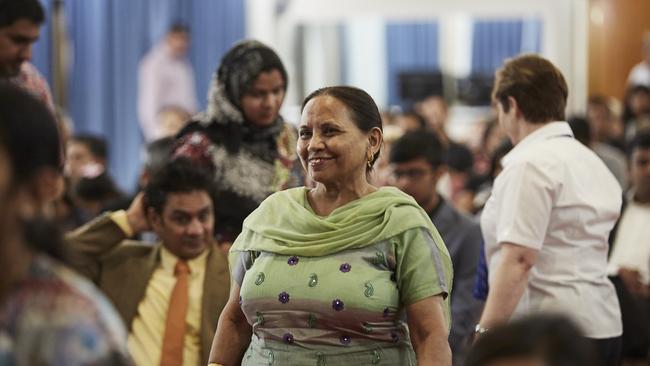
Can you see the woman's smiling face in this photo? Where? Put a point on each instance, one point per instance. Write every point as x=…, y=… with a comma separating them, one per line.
x=330, y=145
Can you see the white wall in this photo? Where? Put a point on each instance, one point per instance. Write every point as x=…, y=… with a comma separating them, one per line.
x=564, y=39
x=366, y=43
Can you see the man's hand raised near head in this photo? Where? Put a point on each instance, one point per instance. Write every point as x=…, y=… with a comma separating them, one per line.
x=137, y=216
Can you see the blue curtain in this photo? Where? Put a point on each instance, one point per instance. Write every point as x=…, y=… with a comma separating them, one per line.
x=495, y=41
x=409, y=47
x=43, y=47
x=108, y=40
x=216, y=25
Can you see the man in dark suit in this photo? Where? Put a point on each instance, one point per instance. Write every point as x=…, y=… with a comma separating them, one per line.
x=170, y=294
x=417, y=163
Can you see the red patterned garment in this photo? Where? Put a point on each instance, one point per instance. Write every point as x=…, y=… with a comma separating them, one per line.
x=33, y=81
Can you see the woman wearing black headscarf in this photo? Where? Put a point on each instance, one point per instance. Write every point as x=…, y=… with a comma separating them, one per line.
x=242, y=135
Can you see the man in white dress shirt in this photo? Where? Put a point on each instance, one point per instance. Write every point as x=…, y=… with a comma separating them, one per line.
x=640, y=73
x=166, y=80
x=551, y=211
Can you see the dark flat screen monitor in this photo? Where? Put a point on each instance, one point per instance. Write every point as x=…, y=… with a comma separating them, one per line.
x=475, y=90
x=417, y=85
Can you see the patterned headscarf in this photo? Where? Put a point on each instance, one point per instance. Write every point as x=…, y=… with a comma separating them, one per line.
x=239, y=69
x=249, y=162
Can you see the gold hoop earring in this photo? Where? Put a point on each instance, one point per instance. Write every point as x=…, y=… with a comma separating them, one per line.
x=369, y=160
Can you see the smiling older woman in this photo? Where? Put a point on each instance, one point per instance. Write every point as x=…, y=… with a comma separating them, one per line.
x=329, y=275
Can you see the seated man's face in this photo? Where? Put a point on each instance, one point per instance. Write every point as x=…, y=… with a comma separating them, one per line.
x=16, y=42
x=434, y=110
x=599, y=119
x=416, y=178
x=640, y=103
x=640, y=171
x=186, y=223
x=78, y=157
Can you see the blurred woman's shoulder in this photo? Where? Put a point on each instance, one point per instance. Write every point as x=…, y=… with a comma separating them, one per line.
x=59, y=309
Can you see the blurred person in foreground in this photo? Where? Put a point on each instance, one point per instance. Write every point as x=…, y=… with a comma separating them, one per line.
x=547, y=222
x=48, y=314
x=540, y=340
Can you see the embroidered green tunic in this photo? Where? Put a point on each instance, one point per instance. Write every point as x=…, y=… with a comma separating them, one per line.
x=339, y=305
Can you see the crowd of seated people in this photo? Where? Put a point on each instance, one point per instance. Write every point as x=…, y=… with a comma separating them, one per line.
x=350, y=236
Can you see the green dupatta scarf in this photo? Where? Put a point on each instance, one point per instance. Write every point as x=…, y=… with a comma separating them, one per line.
x=285, y=224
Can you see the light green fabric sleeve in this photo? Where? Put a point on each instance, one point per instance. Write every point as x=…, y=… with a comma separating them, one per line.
x=422, y=268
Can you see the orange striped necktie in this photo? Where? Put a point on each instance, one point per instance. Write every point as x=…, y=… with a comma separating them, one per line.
x=174, y=339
